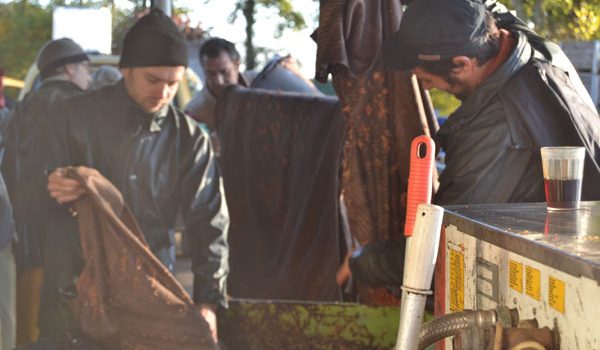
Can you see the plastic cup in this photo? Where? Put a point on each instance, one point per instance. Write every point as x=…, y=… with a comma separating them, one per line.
x=563, y=175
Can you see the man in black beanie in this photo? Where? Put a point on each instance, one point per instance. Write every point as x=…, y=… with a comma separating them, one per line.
x=156, y=156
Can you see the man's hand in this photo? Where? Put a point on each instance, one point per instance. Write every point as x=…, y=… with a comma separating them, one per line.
x=63, y=189
x=343, y=273
x=209, y=312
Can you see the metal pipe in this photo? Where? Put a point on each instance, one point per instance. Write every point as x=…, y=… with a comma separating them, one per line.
x=450, y=324
x=419, y=263
x=411, y=319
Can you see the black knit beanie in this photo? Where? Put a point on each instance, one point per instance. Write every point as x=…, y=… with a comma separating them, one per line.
x=154, y=40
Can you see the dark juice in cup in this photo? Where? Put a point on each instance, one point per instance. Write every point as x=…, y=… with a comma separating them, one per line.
x=563, y=194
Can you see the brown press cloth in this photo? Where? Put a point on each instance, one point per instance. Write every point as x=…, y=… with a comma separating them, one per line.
x=384, y=111
x=126, y=298
x=280, y=156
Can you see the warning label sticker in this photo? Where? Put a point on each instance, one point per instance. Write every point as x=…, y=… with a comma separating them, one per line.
x=515, y=275
x=532, y=282
x=556, y=294
x=457, y=280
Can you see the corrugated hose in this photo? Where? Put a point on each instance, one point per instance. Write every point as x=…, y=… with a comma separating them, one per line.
x=450, y=324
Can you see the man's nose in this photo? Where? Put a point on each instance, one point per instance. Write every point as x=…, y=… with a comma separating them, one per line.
x=164, y=93
x=219, y=80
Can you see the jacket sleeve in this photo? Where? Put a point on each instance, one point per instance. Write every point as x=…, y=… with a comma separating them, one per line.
x=51, y=143
x=7, y=141
x=206, y=220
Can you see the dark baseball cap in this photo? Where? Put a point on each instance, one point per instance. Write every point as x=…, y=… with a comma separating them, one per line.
x=435, y=30
x=57, y=53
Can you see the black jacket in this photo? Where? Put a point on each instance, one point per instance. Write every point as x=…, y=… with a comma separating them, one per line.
x=23, y=162
x=161, y=163
x=6, y=216
x=492, y=141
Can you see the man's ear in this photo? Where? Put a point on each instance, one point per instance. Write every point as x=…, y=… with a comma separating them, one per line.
x=70, y=69
x=462, y=64
x=125, y=71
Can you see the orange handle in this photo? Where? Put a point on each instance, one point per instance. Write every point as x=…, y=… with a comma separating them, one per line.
x=422, y=160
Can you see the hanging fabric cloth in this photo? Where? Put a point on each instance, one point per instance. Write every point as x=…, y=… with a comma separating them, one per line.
x=384, y=111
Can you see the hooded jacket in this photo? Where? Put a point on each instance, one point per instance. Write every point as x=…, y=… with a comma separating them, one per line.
x=492, y=141
x=161, y=163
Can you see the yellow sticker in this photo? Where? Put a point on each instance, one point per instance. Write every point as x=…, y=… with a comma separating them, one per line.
x=556, y=294
x=532, y=282
x=515, y=275
x=457, y=281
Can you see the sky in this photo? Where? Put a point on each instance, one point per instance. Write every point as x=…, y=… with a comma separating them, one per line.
x=213, y=17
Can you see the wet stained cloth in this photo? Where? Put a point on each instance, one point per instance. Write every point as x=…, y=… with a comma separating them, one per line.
x=126, y=298
x=384, y=111
x=280, y=164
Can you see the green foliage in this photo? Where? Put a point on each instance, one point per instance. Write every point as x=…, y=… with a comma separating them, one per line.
x=122, y=21
x=561, y=20
x=443, y=102
x=290, y=19
x=24, y=27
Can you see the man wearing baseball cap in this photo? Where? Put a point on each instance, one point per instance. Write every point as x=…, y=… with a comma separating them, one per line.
x=156, y=156
x=64, y=73
x=518, y=91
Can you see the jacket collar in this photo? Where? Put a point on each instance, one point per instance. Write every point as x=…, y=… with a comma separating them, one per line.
x=156, y=120
x=59, y=81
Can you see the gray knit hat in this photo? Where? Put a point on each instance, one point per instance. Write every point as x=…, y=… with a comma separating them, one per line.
x=57, y=53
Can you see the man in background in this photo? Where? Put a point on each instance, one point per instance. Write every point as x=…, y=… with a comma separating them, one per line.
x=105, y=75
x=64, y=72
x=221, y=64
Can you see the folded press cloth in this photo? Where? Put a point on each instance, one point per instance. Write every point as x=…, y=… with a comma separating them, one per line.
x=126, y=298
